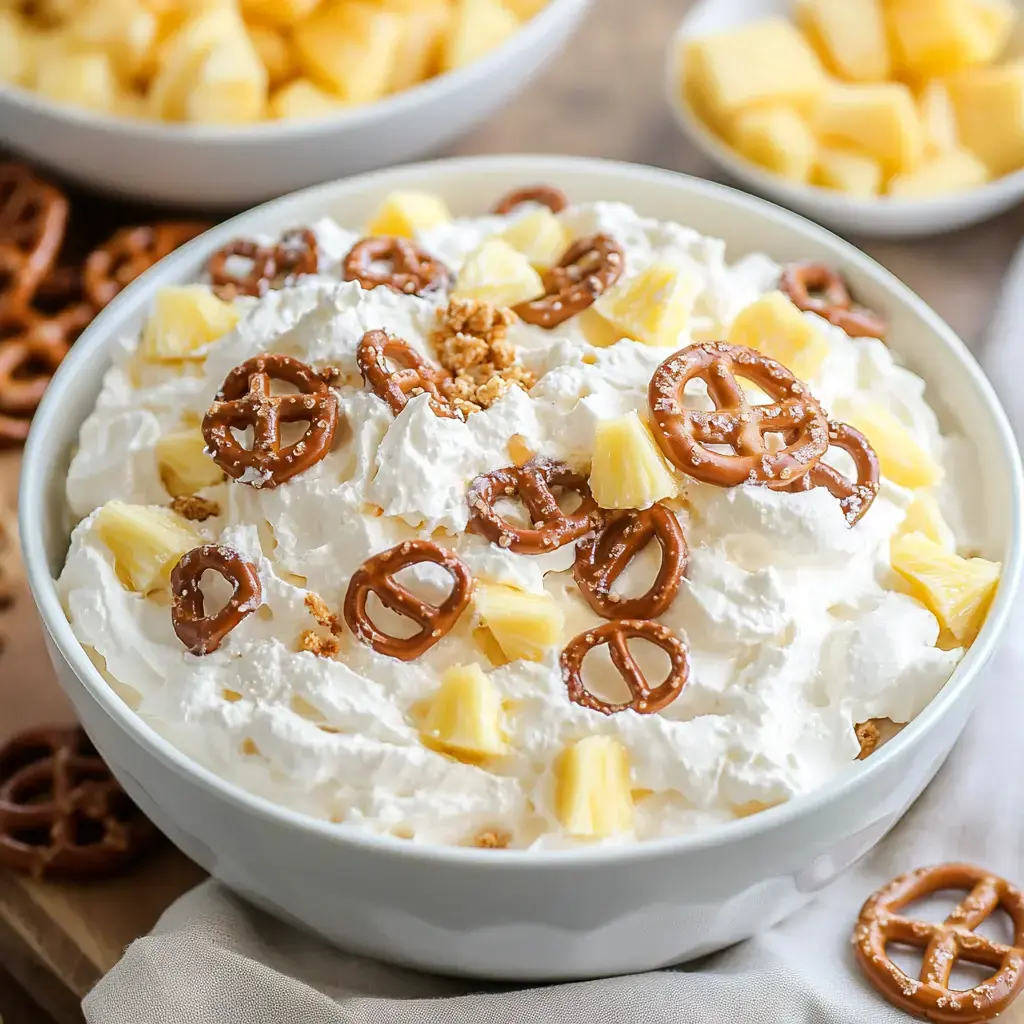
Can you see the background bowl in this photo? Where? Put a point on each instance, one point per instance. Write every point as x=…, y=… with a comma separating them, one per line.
x=210, y=166
x=517, y=914
x=883, y=217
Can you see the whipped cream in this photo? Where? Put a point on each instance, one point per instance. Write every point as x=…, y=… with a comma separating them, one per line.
x=795, y=626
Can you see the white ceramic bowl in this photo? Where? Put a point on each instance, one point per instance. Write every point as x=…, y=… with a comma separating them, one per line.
x=210, y=166
x=883, y=217
x=509, y=914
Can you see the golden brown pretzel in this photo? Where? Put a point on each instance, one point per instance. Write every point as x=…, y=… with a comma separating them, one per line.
x=818, y=288
x=412, y=271
x=553, y=198
x=271, y=266
x=413, y=376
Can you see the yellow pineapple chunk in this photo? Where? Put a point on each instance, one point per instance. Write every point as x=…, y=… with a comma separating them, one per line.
x=275, y=53
x=230, y=85
x=524, y=625
x=989, y=104
x=185, y=320
x=465, y=717
x=81, y=79
x=957, y=591
x=998, y=18
x=628, y=470
x=126, y=31
x=498, y=274
x=592, y=793
x=774, y=326
x=901, y=456
x=654, y=307
x=847, y=171
x=15, y=59
x=477, y=27
x=402, y=214
x=146, y=542
x=526, y=9
x=540, y=236
x=933, y=38
x=777, y=138
x=597, y=331
x=938, y=118
x=279, y=12
x=850, y=37
x=424, y=30
x=954, y=171
x=303, y=100
x=184, y=465
x=925, y=517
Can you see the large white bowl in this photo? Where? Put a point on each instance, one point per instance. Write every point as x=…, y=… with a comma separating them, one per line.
x=883, y=217
x=508, y=914
x=210, y=166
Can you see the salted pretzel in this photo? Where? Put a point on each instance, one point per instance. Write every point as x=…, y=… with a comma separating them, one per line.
x=199, y=632
x=413, y=375
x=533, y=484
x=270, y=266
x=589, y=267
x=602, y=557
x=62, y=812
x=644, y=698
x=410, y=271
x=553, y=198
x=686, y=435
x=376, y=576
x=245, y=400
x=880, y=923
x=817, y=288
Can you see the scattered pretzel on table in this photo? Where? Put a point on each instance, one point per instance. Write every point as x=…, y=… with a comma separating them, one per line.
x=547, y=195
x=270, y=266
x=817, y=288
x=410, y=270
x=412, y=376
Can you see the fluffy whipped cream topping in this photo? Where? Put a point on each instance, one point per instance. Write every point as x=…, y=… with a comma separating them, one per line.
x=795, y=626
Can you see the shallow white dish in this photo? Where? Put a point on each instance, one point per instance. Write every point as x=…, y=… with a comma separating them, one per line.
x=507, y=914
x=210, y=166
x=883, y=217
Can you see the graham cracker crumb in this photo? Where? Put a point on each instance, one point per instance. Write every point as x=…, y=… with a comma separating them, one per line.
x=868, y=735
x=321, y=646
x=317, y=607
x=195, y=508
x=493, y=839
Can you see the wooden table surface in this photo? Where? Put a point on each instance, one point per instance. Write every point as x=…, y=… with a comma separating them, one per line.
x=601, y=99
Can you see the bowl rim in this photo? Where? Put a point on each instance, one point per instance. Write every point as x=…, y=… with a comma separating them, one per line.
x=39, y=458
x=829, y=203
x=437, y=89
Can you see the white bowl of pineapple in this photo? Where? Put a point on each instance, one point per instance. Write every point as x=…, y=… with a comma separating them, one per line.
x=890, y=118
x=232, y=102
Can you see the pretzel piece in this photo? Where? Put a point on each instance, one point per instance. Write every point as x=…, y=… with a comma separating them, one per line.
x=547, y=195
x=413, y=375
x=410, y=271
x=817, y=288
x=270, y=266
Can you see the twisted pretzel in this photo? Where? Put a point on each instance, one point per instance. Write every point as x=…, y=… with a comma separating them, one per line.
x=199, y=632
x=645, y=699
x=685, y=435
x=589, y=267
x=245, y=400
x=954, y=939
x=604, y=556
x=817, y=288
x=62, y=812
x=271, y=266
x=553, y=198
x=412, y=270
x=376, y=576
x=532, y=484
x=413, y=376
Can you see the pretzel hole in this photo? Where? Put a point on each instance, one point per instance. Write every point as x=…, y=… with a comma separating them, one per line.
x=513, y=511
x=601, y=677
x=216, y=590
x=568, y=499
x=393, y=624
x=239, y=267
x=32, y=836
x=292, y=433
x=966, y=975
x=998, y=927
x=244, y=437
x=86, y=831
x=17, y=759
x=936, y=906
x=640, y=574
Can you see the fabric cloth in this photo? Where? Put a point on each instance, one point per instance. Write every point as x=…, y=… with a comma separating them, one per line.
x=212, y=959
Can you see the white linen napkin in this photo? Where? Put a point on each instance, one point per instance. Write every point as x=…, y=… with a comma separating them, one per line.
x=212, y=959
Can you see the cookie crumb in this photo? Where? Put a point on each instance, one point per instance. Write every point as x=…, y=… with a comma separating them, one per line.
x=195, y=508
x=868, y=735
x=317, y=607
x=493, y=839
x=321, y=646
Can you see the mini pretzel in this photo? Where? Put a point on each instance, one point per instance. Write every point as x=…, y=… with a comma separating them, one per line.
x=62, y=812
x=532, y=484
x=413, y=271
x=685, y=435
x=954, y=939
x=245, y=400
x=376, y=576
x=199, y=632
x=553, y=198
x=604, y=556
x=589, y=267
x=414, y=375
x=817, y=288
x=855, y=496
x=271, y=265
x=129, y=252
x=645, y=699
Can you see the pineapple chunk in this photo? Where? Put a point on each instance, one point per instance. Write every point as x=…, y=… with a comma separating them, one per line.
x=478, y=26
x=275, y=53
x=524, y=10
x=777, y=138
x=15, y=61
x=127, y=32
x=146, y=542
x=902, y=458
x=230, y=87
x=654, y=307
x=184, y=465
x=465, y=716
x=850, y=37
x=597, y=331
x=185, y=320
x=879, y=120
x=989, y=105
x=402, y=214
x=498, y=274
x=847, y=171
x=303, y=100
x=924, y=517
x=774, y=326
x=954, y=171
x=350, y=49
x=540, y=236
x=81, y=79
x=938, y=118
x=939, y=37
x=957, y=591
x=279, y=12
x=524, y=625
x=592, y=793
x=998, y=18
x=628, y=470
x=424, y=30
